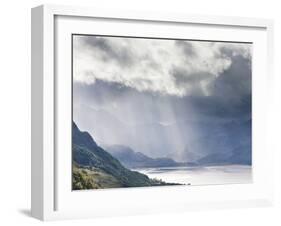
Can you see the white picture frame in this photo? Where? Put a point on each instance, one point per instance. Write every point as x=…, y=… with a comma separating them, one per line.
x=51, y=198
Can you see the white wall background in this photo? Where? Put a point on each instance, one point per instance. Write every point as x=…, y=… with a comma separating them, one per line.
x=15, y=111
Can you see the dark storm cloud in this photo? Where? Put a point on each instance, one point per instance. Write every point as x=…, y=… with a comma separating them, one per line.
x=235, y=82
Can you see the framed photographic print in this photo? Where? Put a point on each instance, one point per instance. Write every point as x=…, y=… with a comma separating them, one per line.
x=136, y=113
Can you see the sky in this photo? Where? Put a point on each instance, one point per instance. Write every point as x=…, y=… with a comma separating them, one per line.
x=162, y=97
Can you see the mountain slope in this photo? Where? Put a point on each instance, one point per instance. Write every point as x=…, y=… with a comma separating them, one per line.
x=89, y=156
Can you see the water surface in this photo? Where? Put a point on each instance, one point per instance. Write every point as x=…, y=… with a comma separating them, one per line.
x=227, y=174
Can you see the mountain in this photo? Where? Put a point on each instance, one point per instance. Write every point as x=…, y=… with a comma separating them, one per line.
x=233, y=144
x=132, y=159
x=93, y=167
x=208, y=143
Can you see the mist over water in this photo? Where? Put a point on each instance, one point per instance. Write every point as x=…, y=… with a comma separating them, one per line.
x=209, y=175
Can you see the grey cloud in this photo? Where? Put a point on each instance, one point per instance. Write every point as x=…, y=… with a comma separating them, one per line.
x=161, y=66
x=232, y=50
x=229, y=93
x=187, y=48
x=190, y=81
x=235, y=82
x=99, y=93
x=183, y=77
x=146, y=105
x=150, y=62
x=121, y=55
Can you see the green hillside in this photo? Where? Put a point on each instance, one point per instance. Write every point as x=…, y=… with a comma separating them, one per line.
x=95, y=168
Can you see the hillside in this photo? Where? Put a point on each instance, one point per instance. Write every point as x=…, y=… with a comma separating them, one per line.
x=86, y=178
x=93, y=167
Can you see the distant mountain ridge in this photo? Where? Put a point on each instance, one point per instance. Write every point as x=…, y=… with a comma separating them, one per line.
x=132, y=159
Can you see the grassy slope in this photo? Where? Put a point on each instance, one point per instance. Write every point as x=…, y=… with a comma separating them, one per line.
x=93, y=178
x=99, y=169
